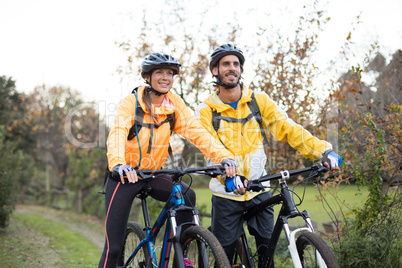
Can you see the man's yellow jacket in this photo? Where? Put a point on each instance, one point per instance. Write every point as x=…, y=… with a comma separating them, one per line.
x=246, y=141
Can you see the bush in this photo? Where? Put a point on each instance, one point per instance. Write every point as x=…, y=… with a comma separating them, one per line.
x=378, y=244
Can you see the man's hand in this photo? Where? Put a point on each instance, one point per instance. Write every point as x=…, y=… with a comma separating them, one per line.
x=236, y=184
x=230, y=167
x=331, y=160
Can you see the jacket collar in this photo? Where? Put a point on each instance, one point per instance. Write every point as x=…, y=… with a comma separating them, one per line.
x=215, y=102
x=167, y=106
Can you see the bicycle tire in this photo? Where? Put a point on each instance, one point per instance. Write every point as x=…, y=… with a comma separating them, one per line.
x=134, y=235
x=308, y=244
x=240, y=255
x=191, y=241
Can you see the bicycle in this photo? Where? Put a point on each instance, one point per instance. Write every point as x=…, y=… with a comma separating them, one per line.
x=306, y=248
x=196, y=244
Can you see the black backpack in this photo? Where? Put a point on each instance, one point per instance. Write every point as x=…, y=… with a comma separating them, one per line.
x=255, y=111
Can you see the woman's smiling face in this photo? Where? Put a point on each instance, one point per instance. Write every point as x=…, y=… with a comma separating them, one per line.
x=161, y=79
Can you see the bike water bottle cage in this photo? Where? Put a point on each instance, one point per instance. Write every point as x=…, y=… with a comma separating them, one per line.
x=255, y=111
x=139, y=120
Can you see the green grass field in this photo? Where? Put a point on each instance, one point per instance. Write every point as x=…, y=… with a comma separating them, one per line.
x=33, y=241
x=348, y=195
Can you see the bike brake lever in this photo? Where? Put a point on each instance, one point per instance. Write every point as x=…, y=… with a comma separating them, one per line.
x=320, y=169
x=213, y=173
x=143, y=176
x=254, y=186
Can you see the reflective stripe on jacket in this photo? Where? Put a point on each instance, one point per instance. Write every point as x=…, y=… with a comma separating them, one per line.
x=246, y=142
x=122, y=151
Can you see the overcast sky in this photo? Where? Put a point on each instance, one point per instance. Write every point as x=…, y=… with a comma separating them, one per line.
x=72, y=43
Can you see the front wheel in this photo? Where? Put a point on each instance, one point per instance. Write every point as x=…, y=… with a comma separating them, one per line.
x=134, y=235
x=202, y=249
x=314, y=252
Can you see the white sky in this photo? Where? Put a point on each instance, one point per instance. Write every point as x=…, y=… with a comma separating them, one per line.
x=72, y=43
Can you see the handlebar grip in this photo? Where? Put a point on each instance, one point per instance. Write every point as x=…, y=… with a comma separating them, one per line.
x=116, y=176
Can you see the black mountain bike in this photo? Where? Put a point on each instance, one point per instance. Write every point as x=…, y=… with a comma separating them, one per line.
x=306, y=248
x=195, y=247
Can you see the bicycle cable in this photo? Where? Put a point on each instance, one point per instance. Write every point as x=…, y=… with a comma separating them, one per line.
x=180, y=179
x=304, y=191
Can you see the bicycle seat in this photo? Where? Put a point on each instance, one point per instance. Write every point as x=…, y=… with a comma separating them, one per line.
x=144, y=193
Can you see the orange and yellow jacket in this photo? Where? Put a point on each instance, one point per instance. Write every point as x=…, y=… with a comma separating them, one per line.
x=123, y=151
x=246, y=141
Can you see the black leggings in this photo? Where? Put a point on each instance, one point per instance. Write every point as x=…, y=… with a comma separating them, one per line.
x=118, y=200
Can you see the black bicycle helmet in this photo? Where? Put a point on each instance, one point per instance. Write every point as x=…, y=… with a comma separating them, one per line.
x=224, y=50
x=158, y=60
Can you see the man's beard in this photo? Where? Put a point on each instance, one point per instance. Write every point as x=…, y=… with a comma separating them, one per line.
x=229, y=83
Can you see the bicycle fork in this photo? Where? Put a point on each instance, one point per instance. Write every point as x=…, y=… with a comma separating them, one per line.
x=291, y=237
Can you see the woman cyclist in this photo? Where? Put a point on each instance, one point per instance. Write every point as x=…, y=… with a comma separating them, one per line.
x=146, y=147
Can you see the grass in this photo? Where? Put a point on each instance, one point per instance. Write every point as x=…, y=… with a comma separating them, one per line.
x=44, y=243
x=348, y=195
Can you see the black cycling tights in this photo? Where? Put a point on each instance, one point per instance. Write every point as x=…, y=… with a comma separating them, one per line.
x=118, y=200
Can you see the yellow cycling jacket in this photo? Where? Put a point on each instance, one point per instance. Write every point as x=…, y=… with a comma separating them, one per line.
x=123, y=151
x=246, y=141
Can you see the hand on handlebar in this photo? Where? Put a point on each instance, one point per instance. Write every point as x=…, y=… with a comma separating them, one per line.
x=331, y=160
x=127, y=170
x=230, y=167
x=236, y=184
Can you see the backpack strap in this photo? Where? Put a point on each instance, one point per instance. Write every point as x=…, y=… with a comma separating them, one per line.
x=171, y=119
x=140, y=118
x=257, y=114
x=255, y=111
x=216, y=121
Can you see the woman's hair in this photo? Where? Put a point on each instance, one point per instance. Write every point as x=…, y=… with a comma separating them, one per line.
x=146, y=98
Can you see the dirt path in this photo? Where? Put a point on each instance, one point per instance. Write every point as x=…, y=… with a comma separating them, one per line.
x=88, y=226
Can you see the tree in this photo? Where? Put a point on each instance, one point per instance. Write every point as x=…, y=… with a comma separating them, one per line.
x=86, y=170
x=370, y=129
x=370, y=121
x=9, y=175
x=12, y=115
x=288, y=78
x=16, y=130
x=48, y=108
x=62, y=122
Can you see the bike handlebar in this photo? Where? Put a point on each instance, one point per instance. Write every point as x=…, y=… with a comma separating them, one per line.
x=212, y=171
x=255, y=185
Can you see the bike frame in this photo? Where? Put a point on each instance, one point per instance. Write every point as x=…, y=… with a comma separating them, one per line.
x=168, y=214
x=172, y=232
x=288, y=210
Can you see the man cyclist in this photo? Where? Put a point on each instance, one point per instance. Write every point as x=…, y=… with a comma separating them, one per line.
x=231, y=116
